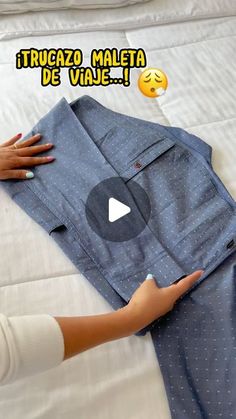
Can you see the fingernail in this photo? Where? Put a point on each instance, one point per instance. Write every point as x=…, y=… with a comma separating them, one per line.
x=37, y=135
x=29, y=175
x=19, y=135
x=149, y=276
x=49, y=145
x=50, y=158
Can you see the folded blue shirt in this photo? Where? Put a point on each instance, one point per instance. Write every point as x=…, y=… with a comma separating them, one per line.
x=192, y=226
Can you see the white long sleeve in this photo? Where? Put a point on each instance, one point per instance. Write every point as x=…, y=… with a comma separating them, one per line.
x=29, y=345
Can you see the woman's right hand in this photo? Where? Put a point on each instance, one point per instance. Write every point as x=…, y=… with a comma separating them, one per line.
x=15, y=157
x=149, y=301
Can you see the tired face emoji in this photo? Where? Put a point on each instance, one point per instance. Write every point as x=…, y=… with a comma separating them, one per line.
x=153, y=82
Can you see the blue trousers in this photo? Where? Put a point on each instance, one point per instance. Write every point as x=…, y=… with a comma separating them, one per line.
x=192, y=226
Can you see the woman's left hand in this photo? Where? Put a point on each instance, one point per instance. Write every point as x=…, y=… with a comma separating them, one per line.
x=149, y=301
x=16, y=156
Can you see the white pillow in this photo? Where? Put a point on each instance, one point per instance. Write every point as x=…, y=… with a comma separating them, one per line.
x=19, y=6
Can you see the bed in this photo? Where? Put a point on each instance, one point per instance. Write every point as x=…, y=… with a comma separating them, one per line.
x=195, y=44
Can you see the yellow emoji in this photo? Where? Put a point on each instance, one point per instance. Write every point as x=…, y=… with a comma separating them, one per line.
x=153, y=82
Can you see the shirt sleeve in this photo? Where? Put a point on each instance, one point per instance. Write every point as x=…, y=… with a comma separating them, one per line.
x=29, y=345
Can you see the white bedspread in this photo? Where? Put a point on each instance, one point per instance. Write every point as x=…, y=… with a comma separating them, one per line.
x=196, y=47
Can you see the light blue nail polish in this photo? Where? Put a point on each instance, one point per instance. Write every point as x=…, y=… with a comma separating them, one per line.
x=149, y=276
x=29, y=175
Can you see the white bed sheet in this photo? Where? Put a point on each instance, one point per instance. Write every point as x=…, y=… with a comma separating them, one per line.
x=122, y=378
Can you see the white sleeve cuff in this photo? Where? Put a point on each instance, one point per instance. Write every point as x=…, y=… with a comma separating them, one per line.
x=29, y=345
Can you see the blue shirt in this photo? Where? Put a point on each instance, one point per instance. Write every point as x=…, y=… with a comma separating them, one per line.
x=192, y=226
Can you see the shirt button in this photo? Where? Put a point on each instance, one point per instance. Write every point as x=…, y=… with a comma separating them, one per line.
x=137, y=165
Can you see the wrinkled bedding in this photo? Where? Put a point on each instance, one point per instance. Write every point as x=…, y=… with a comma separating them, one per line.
x=195, y=45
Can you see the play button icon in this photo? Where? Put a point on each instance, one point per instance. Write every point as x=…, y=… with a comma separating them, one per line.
x=117, y=209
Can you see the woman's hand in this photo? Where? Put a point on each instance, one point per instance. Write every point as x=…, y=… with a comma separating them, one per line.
x=149, y=301
x=16, y=156
x=147, y=304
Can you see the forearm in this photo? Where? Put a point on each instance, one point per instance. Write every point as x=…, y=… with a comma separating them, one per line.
x=31, y=344
x=85, y=332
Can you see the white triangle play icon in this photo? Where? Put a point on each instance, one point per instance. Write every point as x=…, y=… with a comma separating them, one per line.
x=116, y=210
